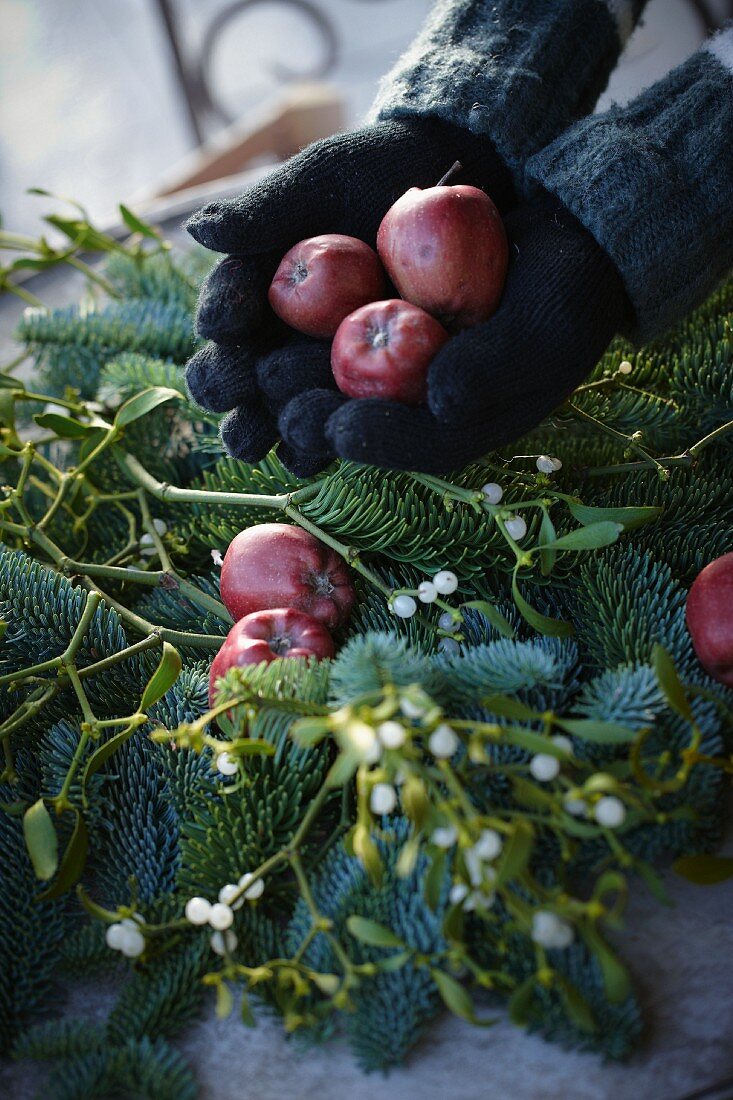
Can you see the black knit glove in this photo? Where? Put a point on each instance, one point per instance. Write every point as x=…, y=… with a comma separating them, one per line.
x=256, y=366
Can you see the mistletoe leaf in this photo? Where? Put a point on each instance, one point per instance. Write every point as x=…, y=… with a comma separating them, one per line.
x=72, y=864
x=163, y=678
x=592, y=537
x=373, y=933
x=554, y=627
x=704, y=870
x=41, y=840
x=143, y=403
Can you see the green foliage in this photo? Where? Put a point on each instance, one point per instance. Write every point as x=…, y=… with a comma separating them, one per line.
x=59, y=1039
x=393, y=1010
x=164, y=824
x=71, y=345
x=161, y=997
x=140, y=1068
x=626, y=603
x=30, y=932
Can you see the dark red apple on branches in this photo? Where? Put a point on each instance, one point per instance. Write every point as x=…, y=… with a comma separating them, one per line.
x=710, y=618
x=265, y=635
x=323, y=279
x=384, y=350
x=280, y=565
x=445, y=249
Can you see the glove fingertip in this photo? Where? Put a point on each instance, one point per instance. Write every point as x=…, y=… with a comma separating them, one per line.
x=218, y=378
x=302, y=421
x=248, y=433
x=302, y=463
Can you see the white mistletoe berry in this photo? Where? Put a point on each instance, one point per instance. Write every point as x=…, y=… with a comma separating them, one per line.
x=383, y=798
x=227, y=893
x=221, y=917
x=256, y=890
x=625, y=367
x=563, y=742
x=458, y=892
x=578, y=807
x=227, y=764
x=610, y=811
x=160, y=526
x=516, y=527
x=412, y=709
x=544, y=767
x=488, y=845
x=443, y=742
x=223, y=943
x=132, y=943
x=474, y=866
x=147, y=546
x=427, y=592
x=445, y=582
x=492, y=491
x=198, y=910
x=364, y=742
x=449, y=646
x=114, y=936
x=444, y=836
x=477, y=899
x=392, y=734
x=549, y=930
x=404, y=606
x=446, y=621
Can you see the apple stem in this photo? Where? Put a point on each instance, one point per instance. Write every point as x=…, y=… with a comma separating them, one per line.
x=454, y=168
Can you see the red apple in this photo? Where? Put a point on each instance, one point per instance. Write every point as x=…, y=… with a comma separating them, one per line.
x=384, y=350
x=265, y=635
x=710, y=618
x=279, y=565
x=323, y=279
x=445, y=249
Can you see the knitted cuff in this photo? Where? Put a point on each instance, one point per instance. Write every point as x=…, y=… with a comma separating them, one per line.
x=653, y=183
x=519, y=71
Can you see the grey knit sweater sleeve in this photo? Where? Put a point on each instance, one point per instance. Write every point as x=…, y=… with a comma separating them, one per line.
x=519, y=71
x=653, y=183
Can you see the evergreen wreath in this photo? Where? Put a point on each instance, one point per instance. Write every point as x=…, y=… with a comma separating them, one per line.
x=452, y=811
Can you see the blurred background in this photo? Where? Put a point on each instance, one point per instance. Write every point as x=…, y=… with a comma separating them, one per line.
x=131, y=99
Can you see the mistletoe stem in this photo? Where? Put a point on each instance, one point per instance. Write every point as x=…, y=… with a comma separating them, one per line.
x=686, y=458
x=282, y=503
x=151, y=642
x=648, y=459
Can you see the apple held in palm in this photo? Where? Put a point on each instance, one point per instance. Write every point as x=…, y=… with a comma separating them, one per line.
x=384, y=350
x=445, y=249
x=321, y=280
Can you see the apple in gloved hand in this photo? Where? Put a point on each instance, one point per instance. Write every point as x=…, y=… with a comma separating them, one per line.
x=384, y=350
x=445, y=249
x=265, y=635
x=323, y=279
x=280, y=565
x=710, y=618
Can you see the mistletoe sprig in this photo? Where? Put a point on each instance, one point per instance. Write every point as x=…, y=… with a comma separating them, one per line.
x=398, y=748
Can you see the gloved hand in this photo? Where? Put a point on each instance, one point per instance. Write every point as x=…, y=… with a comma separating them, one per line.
x=486, y=82
x=255, y=365
x=563, y=302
